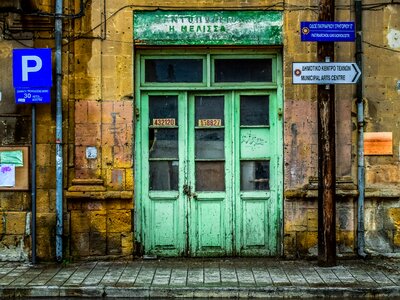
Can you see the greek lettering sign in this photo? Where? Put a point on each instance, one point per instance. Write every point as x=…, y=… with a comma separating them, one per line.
x=325, y=73
x=208, y=28
x=32, y=95
x=327, y=31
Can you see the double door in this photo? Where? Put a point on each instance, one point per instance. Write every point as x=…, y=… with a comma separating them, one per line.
x=209, y=173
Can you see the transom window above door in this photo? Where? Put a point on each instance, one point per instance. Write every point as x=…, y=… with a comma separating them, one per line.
x=208, y=70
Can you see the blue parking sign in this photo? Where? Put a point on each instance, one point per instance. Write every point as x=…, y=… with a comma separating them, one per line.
x=32, y=68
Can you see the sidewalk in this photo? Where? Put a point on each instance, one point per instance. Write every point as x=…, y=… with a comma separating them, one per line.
x=218, y=277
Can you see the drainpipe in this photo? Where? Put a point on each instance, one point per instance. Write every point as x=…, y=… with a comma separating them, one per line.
x=360, y=142
x=59, y=152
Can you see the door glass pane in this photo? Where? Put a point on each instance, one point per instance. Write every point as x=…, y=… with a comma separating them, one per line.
x=254, y=175
x=210, y=176
x=162, y=109
x=164, y=175
x=163, y=143
x=173, y=70
x=209, y=111
x=210, y=144
x=243, y=70
x=254, y=110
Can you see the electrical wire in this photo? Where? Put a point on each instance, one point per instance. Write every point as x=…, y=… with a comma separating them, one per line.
x=381, y=47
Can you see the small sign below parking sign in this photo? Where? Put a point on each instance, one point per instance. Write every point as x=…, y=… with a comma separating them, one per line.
x=32, y=95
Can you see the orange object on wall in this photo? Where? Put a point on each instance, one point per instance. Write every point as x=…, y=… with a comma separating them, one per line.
x=378, y=143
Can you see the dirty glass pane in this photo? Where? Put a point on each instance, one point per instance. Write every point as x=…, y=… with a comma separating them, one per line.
x=164, y=175
x=210, y=176
x=254, y=110
x=173, y=70
x=254, y=175
x=243, y=70
x=163, y=143
x=209, y=108
x=209, y=144
x=163, y=107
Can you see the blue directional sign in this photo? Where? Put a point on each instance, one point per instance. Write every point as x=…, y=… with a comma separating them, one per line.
x=327, y=31
x=32, y=95
x=32, y=68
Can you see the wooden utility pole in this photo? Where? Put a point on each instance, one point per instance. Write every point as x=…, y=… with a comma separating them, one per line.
x=326, y=151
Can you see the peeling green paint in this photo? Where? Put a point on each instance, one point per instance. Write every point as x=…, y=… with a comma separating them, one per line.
x=208, y=28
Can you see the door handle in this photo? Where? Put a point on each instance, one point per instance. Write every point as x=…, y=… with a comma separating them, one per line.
x=187, y=190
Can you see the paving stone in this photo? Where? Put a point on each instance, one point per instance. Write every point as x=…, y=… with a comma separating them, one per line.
x=228, y=277
x=113, y=274
x=380, y=278
x=261, y=276
x=129, y=275
x=295, y=277
x=195, y=277
x=362, y=277
x=178, y=277
x=13, y=275
x=212, y=276
x=161, y=277
x=145, y=276
x=5, y=270
x=97, y=274
x=311, y=276
x=80, y=274
x=27, y=277
x=62, y=276
x=278, y=277
x=245, y=277
x=344, y=275
x=328, y=276
x=45, y=276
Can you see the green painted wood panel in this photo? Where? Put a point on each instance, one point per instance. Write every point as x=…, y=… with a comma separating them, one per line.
x=255, y=143
x=208, y=28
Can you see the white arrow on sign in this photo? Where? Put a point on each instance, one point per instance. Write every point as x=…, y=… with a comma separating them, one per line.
x=325, y=73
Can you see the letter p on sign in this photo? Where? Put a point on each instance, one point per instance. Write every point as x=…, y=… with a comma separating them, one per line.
x=26, y=69
x=32, y=68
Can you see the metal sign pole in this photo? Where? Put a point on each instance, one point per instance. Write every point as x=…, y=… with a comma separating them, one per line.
x=33, y=177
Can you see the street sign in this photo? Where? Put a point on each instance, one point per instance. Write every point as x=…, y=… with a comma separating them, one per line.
x=32, y=95
x=325, y=73
x=32, y=75
x=327, y=31
x=32, y=68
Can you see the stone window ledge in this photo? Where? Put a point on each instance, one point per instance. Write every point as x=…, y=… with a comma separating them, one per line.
x=94, y=189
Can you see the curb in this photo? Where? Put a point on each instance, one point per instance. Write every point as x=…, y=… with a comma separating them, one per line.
x=199, y=292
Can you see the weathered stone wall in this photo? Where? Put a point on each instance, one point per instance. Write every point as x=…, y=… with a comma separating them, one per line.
x=98, y=87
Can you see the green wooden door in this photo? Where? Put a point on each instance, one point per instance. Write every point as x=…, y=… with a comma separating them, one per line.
x=208, y=167
x=210, y=174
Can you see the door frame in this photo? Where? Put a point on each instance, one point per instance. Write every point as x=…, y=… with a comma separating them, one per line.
x=276, y=86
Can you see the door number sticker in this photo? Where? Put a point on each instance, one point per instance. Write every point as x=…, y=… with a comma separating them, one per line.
x=163, y=122
x=209, y=122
